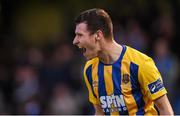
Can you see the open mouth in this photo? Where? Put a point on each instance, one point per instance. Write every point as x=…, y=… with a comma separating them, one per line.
x=83, y=50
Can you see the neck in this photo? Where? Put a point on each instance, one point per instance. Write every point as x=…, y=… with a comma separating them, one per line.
x=110, y=52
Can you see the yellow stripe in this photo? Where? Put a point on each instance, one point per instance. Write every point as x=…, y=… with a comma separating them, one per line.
x=108, y=79
x=149, y=109
x=126, y=88
x=95, y=78
x=109, y=83
x=92, y=98
x=149, y=106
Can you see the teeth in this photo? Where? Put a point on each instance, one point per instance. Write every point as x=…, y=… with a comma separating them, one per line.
x=83, y=50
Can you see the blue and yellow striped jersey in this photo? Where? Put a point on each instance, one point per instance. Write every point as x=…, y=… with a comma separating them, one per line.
x=127, y=86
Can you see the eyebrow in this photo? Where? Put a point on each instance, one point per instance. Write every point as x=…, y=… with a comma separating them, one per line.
x=78, y=33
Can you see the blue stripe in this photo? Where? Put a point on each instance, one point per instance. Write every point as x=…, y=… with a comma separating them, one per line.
x=89, y=76
x=116, y=76
x=136, y=91
x=122, y=53
x=101, y=82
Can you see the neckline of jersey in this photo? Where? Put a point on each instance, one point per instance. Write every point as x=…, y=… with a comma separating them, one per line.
x=119, y=59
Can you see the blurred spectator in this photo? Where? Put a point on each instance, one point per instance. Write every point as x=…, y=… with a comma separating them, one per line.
x=63, y=101
x=6, y=103
x=176, y=98
x=2, y=105
x=168, y=65
x=164, y=26
x=136, y=37
x=3, y=76
x=26, y=90
x=37, y=71
x=132, y=35
x=119, y=33
x=56, y=68
x=35, y=56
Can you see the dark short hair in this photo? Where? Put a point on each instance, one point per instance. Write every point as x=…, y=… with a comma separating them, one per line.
x=96, y=19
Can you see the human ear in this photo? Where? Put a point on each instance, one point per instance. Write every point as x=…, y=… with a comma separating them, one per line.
x=96, y=37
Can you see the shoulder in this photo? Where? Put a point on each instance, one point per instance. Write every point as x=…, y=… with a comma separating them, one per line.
x=90, y=62
x=136, y=56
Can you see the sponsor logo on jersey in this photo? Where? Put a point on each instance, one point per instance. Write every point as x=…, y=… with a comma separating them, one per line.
x=156, y=86
x=113, y=103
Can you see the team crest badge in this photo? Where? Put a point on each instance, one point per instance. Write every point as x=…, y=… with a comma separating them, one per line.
x=95, y=83
x=125, y=78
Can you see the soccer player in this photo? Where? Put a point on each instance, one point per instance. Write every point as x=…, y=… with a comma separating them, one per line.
x=120, y=79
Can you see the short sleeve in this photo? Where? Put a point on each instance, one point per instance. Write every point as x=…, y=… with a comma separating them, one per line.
x=150, y=80
x=88, y=81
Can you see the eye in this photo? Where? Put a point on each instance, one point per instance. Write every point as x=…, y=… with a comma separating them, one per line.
x=79, y=35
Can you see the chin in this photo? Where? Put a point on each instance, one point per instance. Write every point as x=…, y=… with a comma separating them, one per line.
x=90, y=57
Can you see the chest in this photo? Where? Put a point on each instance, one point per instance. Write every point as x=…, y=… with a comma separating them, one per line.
x=116, y=79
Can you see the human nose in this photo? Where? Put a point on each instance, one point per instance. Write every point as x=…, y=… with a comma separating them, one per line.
x=75, y=41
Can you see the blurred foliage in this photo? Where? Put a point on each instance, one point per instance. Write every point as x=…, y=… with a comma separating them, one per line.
x=38, y=23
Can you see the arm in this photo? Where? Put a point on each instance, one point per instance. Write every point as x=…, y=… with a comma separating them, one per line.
x=98, y=110
x=164, y=106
